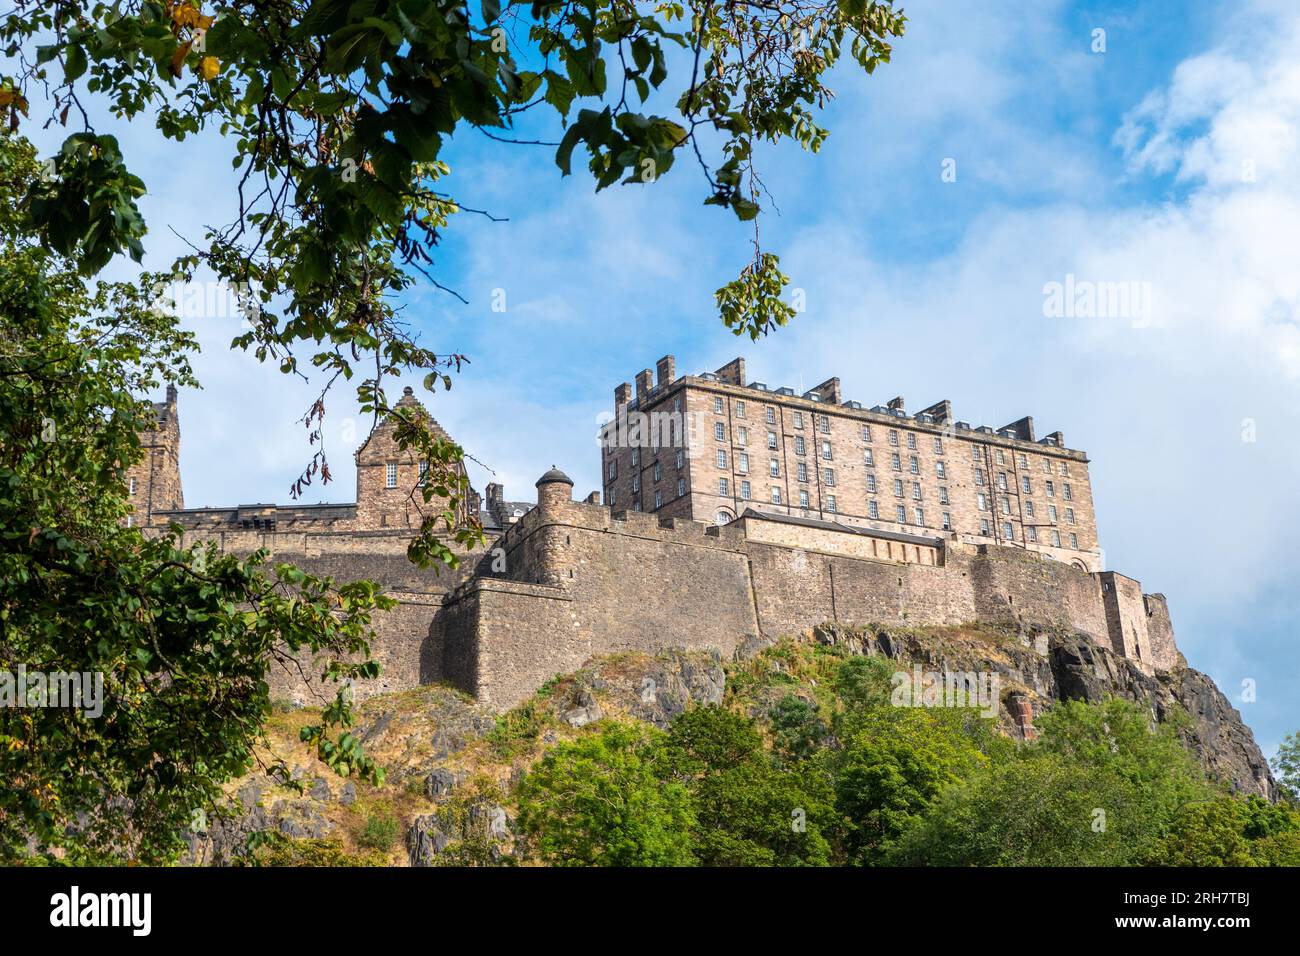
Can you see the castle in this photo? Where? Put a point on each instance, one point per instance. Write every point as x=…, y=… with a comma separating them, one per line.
x=989, y=526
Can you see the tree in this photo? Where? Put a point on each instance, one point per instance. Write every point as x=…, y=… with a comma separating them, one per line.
x=597, y=801
x=336, y=112
x=747, y=811
x=1230, y=831
x=1286, y=765
x=175, y=643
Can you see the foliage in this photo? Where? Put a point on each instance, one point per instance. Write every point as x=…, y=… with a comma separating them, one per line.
x=597, y=801
x=1286, y=767
x=280, y=850
x=182, y=637
x=1230, y=831
x=379, y=831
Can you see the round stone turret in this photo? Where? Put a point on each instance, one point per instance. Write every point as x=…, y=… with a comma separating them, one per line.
x=554, y=487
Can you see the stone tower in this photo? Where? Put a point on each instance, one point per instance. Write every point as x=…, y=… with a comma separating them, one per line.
x=154, y=482
x=551, y=541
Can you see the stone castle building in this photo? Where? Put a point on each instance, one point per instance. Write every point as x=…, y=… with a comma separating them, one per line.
x=677, y=558
x=710, y=446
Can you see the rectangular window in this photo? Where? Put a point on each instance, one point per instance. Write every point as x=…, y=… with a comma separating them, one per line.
x=132, y=491
x=803, y=497
x=916, y=491
x=940, y=470
x=681, y=487
x=722, y=458
x=982, y=502
x=798, y=419
x=866, y=433
x=774, y=467
x=1025, y=485
x=1047, y=466
x=636, y=457
x=896, y=462
x=390, y=475
x=1074, y=541
x=914, y=464
x=776, y=494
x=1051, y=490
x=828, y=476
x=947, y=521
x=826, y=450
x=1029, y=509
x=1031, y=533
x=984, y=527
x=681, y=458
x=830, y=503
x=871, y=484
x=943, y=494
x=898, y=487
x=869, y=459
x=744, y=463
x=799, y=447
x=1008, y=532
x=802, y=470
x=771, y=439
x=659, y=471
x=975, y=452
x=979, y=477
x=1056, y=539
x=1022, y=461
x=771, y=415
x=1069, y=516
x=911, y=440
x=723, y=486
x=744, y=490
x=873, y=509
x=1002, y=458
x=659, y=498
x=1067, y=492
x=1051, y=513
x=743, y=435
x=717, y=404
x=719, y=431
x=902, y=514
x=938, y=446
x=740, y=409
x=1002, y=481
x=1065, y=470
x=826, y=425
x=613, y=469
x=636, y=482
x=919, y=513
x=1006, y=505
x=893, y=437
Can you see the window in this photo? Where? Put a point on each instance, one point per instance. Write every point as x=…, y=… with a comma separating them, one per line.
x=1051, y=490
x=1008, y=532
x=938, y=446
x=681, y=487
x=776, y=494
x=911, y=440
x=745, y=490
x=1025, y=485
x=873, y=509
x=1047, y=466
x=719, y=431
x=799, y=447
x=916, y=491
x=1056, y=539
x=826, y=425
x=802, y=469
x=1069, y=516
x=1074, y=541
x=723, y=488
x=919, y=514
x=830, y=503
x=866, y=433
x=612, y=498
x=913, y=464
x=1067, y=493
x=1002, y=458
x=902, y=515
x=1031, y=534
x=984, y=527
x=681, y=458
x=1065, y=470
x=803, y=497
x=1051, y=513
x=774, y=467
x=1006, y=505
x=893, y=437
x=947, y=521
x=717, y=404
x=898, y=487
x=1029, y=509
x=1002, y=481
x=895, y=462
x=826, y=450
x=869, y=459
x=940, y=470
x=981, y=502
x=771, y=439
x=828, y=475
x=979, y=477
x=613, y=469
x=771, y=415
x=743, y=467
x=424, y=472
x=636, y=457
x=130, y=521
x=740, y=409
x=659, y=472
x=722, y=458
x=975, y=452
x=798, y=419
x=636, y=482
x=132, y=491
x=871, y=484
x=743, y=435
x=659, y=499
x=677, y=404
x=390, y=475
x=1022, y=461
x=943, y=494
x=722, y=518
x=636, y=504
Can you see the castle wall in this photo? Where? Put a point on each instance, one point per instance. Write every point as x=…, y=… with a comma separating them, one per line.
x=1126, y=616
x=1160, y=632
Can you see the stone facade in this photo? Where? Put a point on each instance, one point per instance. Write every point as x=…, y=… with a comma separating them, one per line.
x=708, y=447
x=154, y=482
x=564, y=580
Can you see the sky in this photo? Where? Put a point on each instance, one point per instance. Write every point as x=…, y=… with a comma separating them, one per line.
x=1001, y=151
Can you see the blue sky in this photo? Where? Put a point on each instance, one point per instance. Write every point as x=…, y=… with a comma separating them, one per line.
x=1168, y=159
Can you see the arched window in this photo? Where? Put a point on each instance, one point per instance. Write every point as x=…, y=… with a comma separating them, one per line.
x=723, y=517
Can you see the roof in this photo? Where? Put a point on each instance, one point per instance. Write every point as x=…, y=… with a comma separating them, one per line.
x=851, y=529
